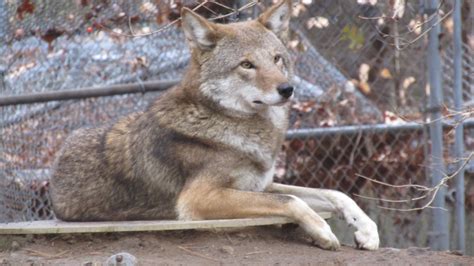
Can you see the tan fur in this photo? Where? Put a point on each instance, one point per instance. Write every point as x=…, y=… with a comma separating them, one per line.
x=206, y=149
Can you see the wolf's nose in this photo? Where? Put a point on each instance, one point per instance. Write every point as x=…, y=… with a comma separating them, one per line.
x=285, y=90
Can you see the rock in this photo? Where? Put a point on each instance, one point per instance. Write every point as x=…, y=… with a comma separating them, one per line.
x=15, y=245
x=456, y=252
x=121, y=259
x=390, y=250
x=414, y=251
x=227, y=250
x=5, y=262
x=241, y=235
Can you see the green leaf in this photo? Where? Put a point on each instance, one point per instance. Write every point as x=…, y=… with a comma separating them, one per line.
x=355, y=37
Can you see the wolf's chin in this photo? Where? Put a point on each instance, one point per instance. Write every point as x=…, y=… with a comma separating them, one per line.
x=281, y=103
x=260, y=103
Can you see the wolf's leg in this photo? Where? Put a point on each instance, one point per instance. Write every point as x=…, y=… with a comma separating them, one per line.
x=366, y=236
x=204, y=202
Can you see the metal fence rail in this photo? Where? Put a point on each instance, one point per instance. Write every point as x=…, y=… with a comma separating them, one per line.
x=82, y=93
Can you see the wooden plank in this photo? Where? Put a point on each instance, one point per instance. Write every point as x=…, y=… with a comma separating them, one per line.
x=60, y=227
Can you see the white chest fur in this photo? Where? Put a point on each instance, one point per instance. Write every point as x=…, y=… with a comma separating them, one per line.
x=278, y=116
x=250, y=179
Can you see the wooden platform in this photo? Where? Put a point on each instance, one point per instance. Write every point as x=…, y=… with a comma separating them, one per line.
x=60, y=227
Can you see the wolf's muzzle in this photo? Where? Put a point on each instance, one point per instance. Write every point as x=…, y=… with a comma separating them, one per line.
x=285, y=90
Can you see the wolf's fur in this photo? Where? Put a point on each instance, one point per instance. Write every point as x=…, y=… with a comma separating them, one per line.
x=206, y=149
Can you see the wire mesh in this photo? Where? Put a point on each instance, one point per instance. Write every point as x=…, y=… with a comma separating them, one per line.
x=351, y=79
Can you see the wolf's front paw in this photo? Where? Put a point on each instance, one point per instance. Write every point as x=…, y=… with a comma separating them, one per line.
x=326, y=239
x=367, y=236
x=328, y=242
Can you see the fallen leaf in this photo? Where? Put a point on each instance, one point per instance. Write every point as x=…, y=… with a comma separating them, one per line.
x=385, y=73
x=25, y=7
x=364, y=87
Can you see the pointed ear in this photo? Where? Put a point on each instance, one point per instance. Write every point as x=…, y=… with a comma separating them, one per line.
x=277, y=19
x=199, y=32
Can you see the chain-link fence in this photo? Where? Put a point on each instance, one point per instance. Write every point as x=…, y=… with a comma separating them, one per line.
x=354, y=88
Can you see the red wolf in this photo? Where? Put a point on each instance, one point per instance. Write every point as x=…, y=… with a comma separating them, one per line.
x=206, y=149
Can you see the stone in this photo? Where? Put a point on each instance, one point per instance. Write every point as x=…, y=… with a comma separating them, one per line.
x=121, y=259
x=227, y=250
x=15, y=245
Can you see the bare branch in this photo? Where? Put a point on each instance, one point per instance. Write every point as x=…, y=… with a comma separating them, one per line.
x=202, y=4
x=401, y=43
x=248, y=5
x=429, y=191
x=418, y=187
x=392, y=200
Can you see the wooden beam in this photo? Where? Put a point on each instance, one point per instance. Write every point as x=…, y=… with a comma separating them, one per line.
x=60, y=227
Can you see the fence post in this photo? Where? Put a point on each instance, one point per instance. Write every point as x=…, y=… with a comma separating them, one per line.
x=439, y=238
x=459, y=130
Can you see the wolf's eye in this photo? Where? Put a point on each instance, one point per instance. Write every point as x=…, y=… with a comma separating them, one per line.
x=247, y=65
x=277, y=59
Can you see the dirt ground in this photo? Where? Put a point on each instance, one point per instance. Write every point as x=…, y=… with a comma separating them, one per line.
x=254, y=246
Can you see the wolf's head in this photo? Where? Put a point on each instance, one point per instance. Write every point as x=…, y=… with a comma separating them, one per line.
x=242, y=67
